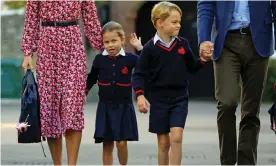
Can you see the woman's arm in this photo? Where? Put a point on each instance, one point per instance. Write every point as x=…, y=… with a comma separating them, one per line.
x=92, y=26
x=31, y=28
x=93, y=75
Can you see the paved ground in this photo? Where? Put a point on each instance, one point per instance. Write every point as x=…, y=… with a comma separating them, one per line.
x=200, y=144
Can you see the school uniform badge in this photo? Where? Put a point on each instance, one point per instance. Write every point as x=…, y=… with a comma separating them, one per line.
x=181, y=51
x=124, y=70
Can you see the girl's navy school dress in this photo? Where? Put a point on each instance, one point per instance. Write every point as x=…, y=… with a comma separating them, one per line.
x=115, y=118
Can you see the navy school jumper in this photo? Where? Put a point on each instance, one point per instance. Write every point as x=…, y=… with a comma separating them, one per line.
x=113, y=75
x=165, y=68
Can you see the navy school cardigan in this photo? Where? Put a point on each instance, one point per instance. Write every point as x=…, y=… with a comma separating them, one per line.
x=113, y=75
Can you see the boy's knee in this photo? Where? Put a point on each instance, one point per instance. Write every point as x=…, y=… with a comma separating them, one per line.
x=176, y=139
x=121, y=144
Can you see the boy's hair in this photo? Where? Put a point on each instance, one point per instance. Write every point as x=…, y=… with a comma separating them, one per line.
x=162, y=10
x=114, y=26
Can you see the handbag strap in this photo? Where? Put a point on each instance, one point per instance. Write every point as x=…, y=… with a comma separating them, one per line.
x=30, y=77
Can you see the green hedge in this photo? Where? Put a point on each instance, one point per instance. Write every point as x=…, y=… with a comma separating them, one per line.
x=11, y=77
x=271, y=78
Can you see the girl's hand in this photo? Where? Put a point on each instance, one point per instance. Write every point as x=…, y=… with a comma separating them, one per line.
x=135, y=42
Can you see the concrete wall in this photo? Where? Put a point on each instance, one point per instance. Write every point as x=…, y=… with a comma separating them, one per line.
x=11, y=34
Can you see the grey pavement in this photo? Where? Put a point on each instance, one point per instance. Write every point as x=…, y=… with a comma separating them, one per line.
x=200, y=139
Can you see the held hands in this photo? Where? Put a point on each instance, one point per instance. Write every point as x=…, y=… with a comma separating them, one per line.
x=27, y=63
x=143, y=104
x=206, y=50
x=135, y=42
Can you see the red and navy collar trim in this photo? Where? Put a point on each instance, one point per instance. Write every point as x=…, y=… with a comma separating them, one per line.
x=167, y=48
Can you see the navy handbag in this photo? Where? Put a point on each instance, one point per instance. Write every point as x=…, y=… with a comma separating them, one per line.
x=30, y=110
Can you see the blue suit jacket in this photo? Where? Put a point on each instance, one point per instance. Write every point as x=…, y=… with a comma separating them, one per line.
x=220, y=13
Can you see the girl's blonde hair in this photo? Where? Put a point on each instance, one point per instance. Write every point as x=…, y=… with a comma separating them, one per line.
x=114, y=26
x=162, y=10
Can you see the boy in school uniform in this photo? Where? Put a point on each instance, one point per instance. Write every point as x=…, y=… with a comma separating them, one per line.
x=165, y=61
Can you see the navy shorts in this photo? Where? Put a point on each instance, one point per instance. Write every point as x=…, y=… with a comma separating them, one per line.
x=166, y=113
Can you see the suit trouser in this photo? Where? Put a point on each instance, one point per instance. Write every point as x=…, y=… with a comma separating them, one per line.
x=239, y=64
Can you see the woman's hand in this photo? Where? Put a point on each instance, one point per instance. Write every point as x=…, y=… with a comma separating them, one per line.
x=27, y=63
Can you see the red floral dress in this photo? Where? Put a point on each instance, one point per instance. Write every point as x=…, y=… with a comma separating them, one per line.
x=61, y=60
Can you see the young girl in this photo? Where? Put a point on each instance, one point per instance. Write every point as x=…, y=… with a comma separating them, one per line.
x=115, y=119
x=165, y=61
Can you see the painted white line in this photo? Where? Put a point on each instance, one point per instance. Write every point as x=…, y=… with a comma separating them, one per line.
x=8, y=125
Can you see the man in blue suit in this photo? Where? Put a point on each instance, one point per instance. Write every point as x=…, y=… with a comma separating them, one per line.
x=243, y=42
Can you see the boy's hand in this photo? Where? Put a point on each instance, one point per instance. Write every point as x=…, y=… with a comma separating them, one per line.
x=135, y=42
x=206, y=57
x=143, y=104
x=204, y=60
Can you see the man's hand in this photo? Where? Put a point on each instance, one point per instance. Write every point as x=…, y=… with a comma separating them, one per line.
x=206, y=50
x=143, y=104
x=27, y=63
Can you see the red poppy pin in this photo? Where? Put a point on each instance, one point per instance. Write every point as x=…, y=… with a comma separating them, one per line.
x=181, y=51
x=125, y=70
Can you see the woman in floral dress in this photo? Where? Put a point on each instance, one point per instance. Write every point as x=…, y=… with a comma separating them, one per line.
x=51, y=28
